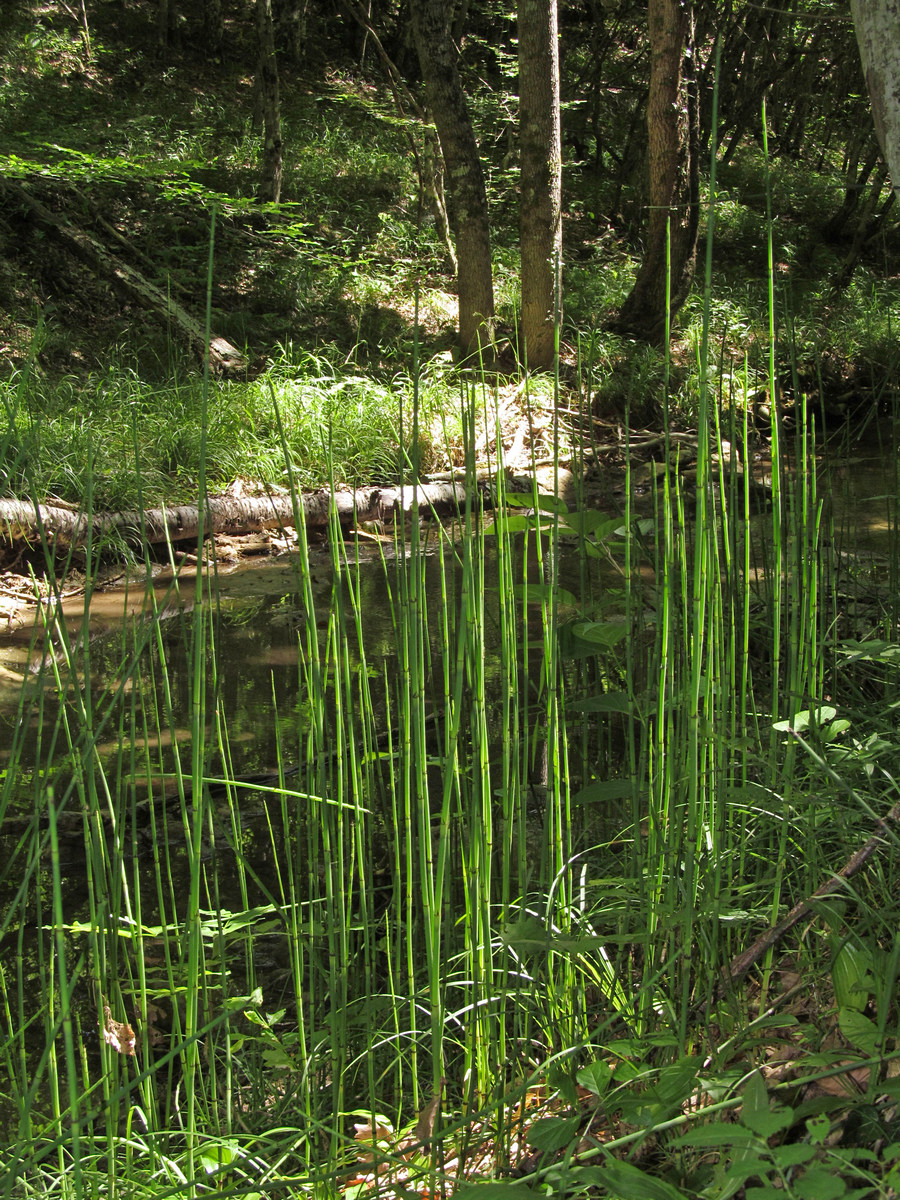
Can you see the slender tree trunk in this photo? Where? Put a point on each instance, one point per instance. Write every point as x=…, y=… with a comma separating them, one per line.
x=672, y=126
x=213, y=27
x=162, y=26
x=270, y=183
x=429, y=162
x=433, y=187
x=877, y=25
x=465, y=178
x=541, y=179
x=290, y=28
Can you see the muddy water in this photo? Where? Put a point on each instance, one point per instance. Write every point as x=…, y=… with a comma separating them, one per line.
x=257, y=614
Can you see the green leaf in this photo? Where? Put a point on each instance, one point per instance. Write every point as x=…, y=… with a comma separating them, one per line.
x=541, y=593
x=216, y=1155
x=868, y=651
x=793, y=1155
x=518, y=523
x=749, y=1168
x=604, y=791
x=595, y=1077
x=277, y=1058
x=626, y=1180
x=761, y=1114
x=859, y=1030
x=592, y=521
x=819, y=1184
x=718, y=1133
x=818, y=1129
x=600, y=633
x=552, y=1133
x=805, y=718
x=851, y=977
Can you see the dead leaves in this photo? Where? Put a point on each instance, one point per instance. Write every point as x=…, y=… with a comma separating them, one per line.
x=117, y=1034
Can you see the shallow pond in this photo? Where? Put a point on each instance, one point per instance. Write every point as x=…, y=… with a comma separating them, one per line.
x=396, y=727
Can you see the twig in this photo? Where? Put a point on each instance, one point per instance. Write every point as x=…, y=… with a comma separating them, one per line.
x=741, y=963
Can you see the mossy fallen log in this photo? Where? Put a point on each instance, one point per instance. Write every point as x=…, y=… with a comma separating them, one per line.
x=23, y=521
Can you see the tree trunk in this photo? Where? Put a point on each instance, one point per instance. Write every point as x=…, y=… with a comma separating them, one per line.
x=541, y=179
x=213, y=27
x=166, y=26
x=465, y=178
x=877, y=24
x=672, y=126
x=267, y=75
x=432, y=179
x=289, y=17
x=429, y=162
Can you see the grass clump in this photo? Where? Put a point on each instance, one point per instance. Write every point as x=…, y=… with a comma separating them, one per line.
x=548, y=777
x=336, y=424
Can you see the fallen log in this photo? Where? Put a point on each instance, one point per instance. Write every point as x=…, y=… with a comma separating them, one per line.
x=224, y=359
x=21, y=520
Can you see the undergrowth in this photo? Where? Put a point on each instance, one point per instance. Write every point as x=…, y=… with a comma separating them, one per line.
x=449, y=868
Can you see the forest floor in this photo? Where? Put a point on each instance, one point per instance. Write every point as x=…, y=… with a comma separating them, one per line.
x=340, y=302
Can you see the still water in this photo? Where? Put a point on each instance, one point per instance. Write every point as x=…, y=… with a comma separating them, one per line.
x=137, y=674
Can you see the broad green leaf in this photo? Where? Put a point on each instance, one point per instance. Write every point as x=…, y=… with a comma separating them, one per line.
x=629, y=1182
x=595, y=1077
x=859, y=1031
x=216, y=1155
x=819, y=1184
x=805, y=718
x=600, y=633
x=517, y=523
x=861, y=651
x=541, y=593
x=552, y=1133
x=851, y=977
x=598, y=524
x=239, y=1003
x=605, y=790
x=794, y=1154
x=672, y=1086
x=719, y=1133
x=833, y=731
x=760, y=1113
x=747, y=1168
x=277, y=1058
x=818, y=1129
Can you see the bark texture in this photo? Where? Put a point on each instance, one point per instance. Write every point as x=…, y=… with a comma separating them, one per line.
x=465, y=178
x=877, y=24
x=672, y=127
x=21, y=520
x=541, y=179
x=267, y=75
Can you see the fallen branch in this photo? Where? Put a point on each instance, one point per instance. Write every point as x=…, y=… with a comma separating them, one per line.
x=224, y=359
x=24, y=521
x=741, y=963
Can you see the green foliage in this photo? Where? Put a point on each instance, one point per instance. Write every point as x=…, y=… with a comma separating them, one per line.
x=656, y=729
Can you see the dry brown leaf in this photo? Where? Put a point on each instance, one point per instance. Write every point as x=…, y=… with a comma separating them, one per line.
x=117, y=1034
